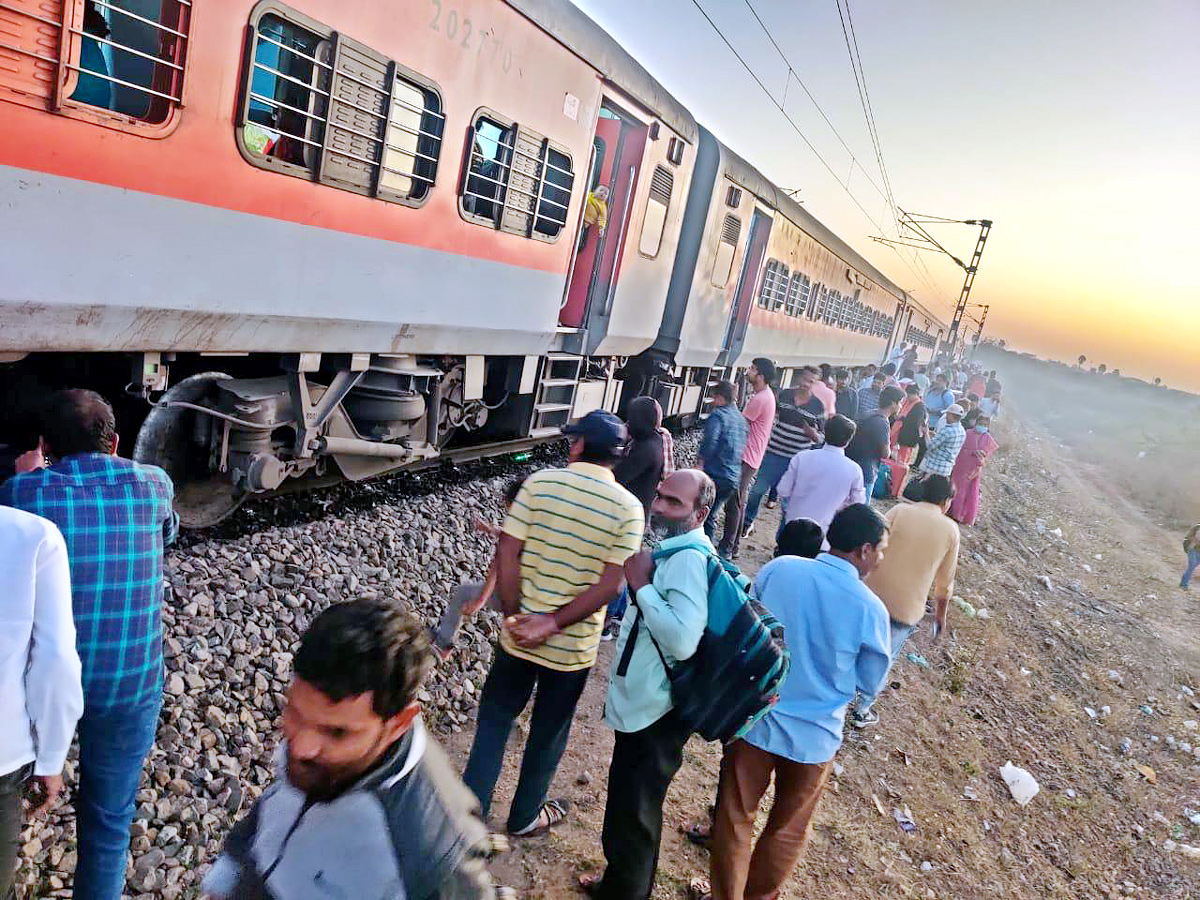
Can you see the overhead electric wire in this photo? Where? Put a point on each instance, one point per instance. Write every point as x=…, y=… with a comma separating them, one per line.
x=860, y=78
x=795, y=127
x=927, y=279
x=782, y=110
x=792, y=73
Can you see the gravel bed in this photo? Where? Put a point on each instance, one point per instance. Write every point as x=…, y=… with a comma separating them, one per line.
x=239, y=596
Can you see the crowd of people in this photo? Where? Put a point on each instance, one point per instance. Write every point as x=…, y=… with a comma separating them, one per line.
x=618, y=544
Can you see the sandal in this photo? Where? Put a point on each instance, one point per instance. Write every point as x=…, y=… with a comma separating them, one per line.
x=552, y=813
x=589, y=882
x=700, y=834
x=699, y=889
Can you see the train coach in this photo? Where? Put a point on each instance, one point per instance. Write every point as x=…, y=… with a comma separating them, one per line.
x=313, y=240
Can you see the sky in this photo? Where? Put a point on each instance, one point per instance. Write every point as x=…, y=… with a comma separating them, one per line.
x=1074, y=126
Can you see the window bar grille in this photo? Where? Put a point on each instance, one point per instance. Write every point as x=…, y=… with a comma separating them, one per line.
x=541, y=183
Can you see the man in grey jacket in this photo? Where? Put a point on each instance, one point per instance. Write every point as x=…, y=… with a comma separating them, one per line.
x=670, y=608
x=369, y=805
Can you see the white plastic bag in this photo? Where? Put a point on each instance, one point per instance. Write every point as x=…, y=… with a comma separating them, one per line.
x=1021, y=784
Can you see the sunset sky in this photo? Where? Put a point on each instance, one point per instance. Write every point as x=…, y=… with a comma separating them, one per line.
x=1074, y=126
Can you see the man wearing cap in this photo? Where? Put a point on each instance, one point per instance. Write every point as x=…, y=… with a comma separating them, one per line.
x=560, y=559
x=945, y=444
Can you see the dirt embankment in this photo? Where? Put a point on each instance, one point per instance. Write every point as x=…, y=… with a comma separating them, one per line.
x=1082, y=672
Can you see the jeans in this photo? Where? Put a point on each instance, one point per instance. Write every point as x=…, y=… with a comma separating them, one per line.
x=869, y=486
x=643, y=764
x=506, y=692
x=772, y=470
x=618, y=604
x=113, y=745
x=900, y=634
x=12, y=787
x=1192, y=564
x=725, y=487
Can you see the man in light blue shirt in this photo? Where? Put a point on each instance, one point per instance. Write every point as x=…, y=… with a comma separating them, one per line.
x=937, y=399
x=838, y=633
x=670, y=608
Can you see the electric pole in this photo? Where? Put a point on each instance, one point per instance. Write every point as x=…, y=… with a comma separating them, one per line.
x=985, y=226
x=920, y=239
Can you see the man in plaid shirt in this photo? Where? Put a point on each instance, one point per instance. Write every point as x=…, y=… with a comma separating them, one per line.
x=116, y=517
x=945, y=444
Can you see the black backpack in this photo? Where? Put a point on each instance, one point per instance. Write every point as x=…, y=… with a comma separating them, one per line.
x=733, y=678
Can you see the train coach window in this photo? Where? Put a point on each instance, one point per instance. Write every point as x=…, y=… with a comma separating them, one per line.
x=554, y=198
x=773, y=291
x=731, y=231
x=287, y=96
x=123, y=57
x=515, y=180
x=797, y=295
x=321, y=105
x=412, y=142
x=487, y=170
x=131, y=56
x=657, y=203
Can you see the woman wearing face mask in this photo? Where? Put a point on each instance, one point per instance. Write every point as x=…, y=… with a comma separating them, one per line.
x=965, y=477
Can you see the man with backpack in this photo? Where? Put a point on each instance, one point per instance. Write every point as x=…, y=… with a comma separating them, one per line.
x=838, y=637
x=667, y=618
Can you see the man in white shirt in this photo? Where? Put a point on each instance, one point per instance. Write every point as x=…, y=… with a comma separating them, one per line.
x=820, y=483
x=41, y=692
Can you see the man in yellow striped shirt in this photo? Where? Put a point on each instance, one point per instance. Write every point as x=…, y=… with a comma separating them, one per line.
x=560, y=561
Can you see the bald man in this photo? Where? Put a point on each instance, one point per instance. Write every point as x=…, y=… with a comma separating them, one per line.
x=670, y=603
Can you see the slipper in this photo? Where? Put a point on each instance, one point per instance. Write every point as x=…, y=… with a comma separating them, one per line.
x=589, y=882
x=699, y=889
x=552, y=813
x=700, y=834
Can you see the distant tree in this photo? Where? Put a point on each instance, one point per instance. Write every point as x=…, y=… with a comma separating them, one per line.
x=1158, y=382
x=1102, y=368
x=1116, y=372
x=1082, y=360
x=1002, y=343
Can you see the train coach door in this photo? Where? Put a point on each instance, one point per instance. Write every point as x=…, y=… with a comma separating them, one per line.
x=739, y=314
x=616, y=159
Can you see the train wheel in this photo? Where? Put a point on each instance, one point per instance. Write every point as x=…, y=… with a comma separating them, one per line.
x=179, y=438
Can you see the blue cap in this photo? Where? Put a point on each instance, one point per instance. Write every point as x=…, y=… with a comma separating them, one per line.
x=599, y=429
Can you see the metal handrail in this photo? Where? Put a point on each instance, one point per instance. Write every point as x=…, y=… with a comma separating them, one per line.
x=128, y=84
x=142, y=19
x=304, y=84
x=262, y=35
x=263, y=99
x=157, y=59
x=284, y=131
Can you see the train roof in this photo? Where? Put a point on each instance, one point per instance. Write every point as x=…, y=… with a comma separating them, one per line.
x=572, y=28
x=754, y=180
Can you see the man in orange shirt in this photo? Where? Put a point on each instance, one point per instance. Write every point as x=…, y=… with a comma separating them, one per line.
x=922, y=556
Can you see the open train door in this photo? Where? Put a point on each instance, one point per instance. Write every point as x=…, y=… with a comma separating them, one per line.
x=617, y=151
x=739, y=313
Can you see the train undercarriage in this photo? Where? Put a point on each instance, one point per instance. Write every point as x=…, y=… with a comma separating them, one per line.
x=227, y=428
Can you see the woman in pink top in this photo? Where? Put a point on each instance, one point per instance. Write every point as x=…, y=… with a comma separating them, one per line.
x=967, y=469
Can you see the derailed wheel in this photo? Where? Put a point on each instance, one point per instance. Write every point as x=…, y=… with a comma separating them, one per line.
x=178, y=438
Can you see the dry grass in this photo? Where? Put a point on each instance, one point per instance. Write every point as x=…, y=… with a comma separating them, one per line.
x=1141, y=439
